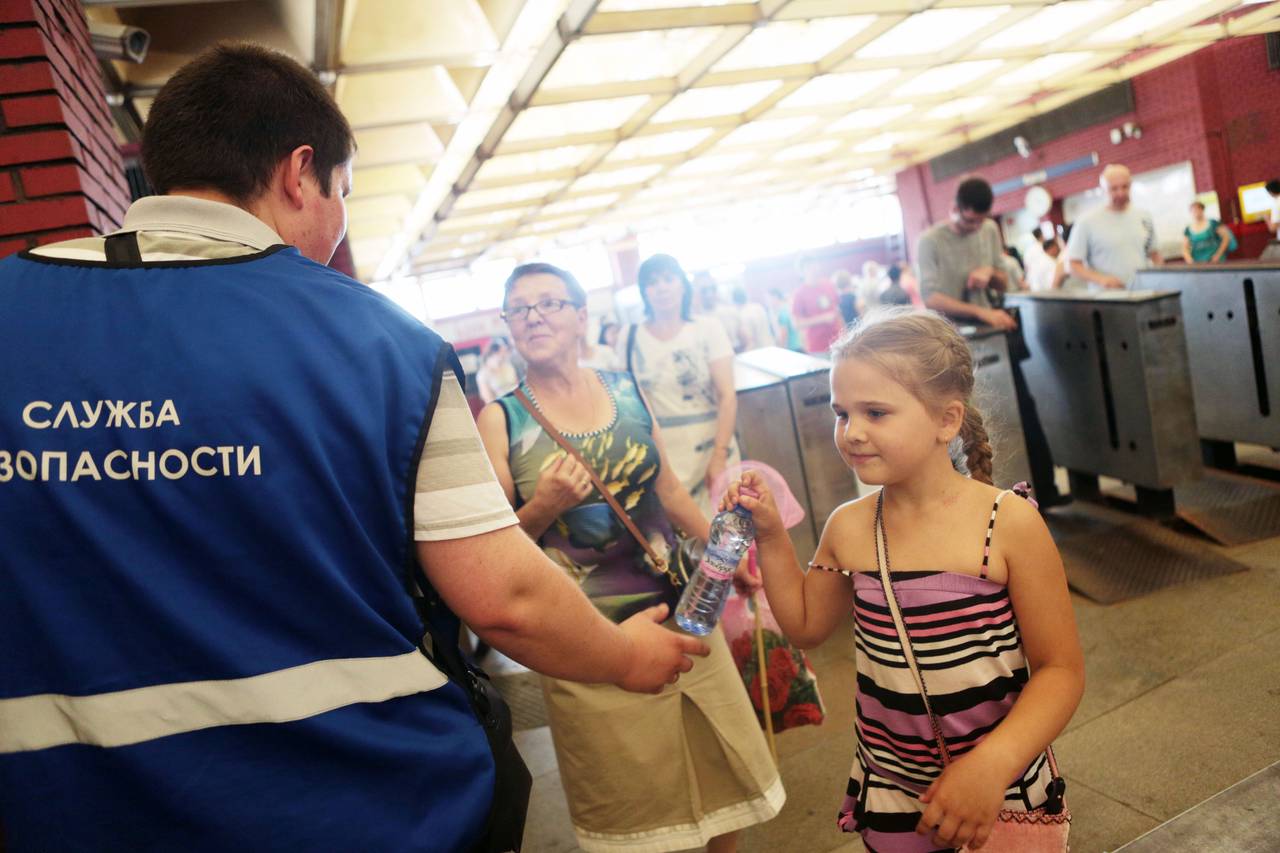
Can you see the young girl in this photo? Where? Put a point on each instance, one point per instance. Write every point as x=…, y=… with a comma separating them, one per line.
x=977, y=577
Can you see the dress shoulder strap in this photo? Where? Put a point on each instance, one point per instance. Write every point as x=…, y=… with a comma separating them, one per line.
x=991, y=527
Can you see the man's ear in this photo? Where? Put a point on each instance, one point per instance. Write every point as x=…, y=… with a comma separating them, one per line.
x=301, y=161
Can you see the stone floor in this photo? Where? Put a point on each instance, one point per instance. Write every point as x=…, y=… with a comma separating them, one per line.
x=1182, y=701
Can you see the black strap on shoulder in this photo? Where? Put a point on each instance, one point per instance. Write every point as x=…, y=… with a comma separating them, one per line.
x=122, y=249
x=631, y=347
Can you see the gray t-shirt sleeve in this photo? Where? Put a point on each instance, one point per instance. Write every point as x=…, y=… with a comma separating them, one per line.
x=1078, y=243
x=995, y=246
x=927, y=267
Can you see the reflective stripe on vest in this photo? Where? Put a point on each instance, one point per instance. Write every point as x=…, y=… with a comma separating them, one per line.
x=131, y=716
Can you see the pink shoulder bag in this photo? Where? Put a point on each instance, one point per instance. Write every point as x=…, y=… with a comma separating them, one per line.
x=1042, y=830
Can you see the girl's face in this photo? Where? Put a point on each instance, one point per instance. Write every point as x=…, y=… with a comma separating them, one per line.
x=883, y=431
x=665, y=294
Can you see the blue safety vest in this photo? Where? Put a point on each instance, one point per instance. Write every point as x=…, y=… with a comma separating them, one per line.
x=206, y=488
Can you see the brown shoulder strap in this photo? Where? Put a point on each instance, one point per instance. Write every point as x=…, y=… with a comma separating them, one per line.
x=559, y=439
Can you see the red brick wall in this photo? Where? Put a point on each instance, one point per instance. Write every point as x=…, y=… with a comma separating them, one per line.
x=60, y=170
x=1218, y=108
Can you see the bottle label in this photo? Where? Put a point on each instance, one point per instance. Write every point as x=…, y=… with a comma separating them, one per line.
x=714, y=571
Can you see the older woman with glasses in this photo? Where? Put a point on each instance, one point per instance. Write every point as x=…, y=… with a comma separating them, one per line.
x=688, y=766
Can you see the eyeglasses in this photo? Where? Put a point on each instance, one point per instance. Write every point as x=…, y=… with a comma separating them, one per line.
x=545, y=308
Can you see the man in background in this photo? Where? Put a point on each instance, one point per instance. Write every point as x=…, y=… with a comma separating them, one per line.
x=960, y=272
x=1110, y=244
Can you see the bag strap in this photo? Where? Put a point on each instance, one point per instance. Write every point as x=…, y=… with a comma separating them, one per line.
x=631, y=347
x=891, y=598
x=559, y=439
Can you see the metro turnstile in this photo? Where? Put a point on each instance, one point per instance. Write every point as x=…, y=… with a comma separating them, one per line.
x=994, y=395
x=785, y=421
x=1232, y=316
x=1110, y=375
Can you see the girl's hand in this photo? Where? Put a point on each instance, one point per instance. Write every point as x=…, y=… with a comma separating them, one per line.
x=962, y=803
x=752, y=493
x=745, y=580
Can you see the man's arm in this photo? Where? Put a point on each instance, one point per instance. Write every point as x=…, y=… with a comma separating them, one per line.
x=517, y=601
x=944, y=304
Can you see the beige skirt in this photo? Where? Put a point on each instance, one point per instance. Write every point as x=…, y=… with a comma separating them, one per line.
x=647, y=774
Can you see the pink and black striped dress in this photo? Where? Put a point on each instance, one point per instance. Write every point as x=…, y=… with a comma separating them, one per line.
x=966, y=640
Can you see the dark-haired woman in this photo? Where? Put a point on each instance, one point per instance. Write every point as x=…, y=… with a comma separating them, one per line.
x=689, y=766
x=684, y=365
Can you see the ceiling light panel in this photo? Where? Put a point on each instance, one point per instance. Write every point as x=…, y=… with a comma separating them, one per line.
x=531, y=163
x=398, y=144
x=480, y=223
x=883, y=142
x=397, y=97
x=807, y=150
x=715, y=101
x=645, y=5
x=1044, y=68
x=767, y=130
x=584, y=117
x=947, y=78
x=377, y=31
x=931, y=32
x=792, y=42
x=1143, y=21
x=628, y=56
x=386, y=180
x=869, y=119
x=615, y=178
x=713, y=163
x=959, y=108
x=507, y=196
x=837, y=88
x=591, y=202
x=1049, y=24
x=657, y=145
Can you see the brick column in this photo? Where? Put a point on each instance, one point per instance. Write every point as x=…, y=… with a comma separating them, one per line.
x=60, y=170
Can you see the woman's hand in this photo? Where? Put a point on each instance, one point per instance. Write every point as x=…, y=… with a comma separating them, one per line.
x=562, y=485
x=962, y=803
x=753, y=494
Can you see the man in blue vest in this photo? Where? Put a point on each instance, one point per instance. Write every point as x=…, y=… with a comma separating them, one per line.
x=223, y=467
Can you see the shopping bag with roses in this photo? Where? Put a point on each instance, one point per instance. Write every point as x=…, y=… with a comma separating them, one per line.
x=779, y=680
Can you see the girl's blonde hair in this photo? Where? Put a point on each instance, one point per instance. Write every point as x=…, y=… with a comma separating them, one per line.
x=924, y=352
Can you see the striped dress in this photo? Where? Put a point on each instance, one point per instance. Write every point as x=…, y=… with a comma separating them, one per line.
x=966, y=641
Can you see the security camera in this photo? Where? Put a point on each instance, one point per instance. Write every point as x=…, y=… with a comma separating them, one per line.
x=118, y=41
x=1022, y=146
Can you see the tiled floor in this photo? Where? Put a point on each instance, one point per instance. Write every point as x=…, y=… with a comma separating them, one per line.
x=1182, y=701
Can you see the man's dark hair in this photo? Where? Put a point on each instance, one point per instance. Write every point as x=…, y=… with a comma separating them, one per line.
x=1273, y=186
x=1048, y=244
x=572, y=289
x=226, y=119
x=661, y=265
x=894, y=273
x=974, y=194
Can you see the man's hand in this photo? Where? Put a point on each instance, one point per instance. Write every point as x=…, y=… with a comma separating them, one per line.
x=980, y=278
x=1002, y=320
x=562, y=485
x=1110, y=282
x=658, y=656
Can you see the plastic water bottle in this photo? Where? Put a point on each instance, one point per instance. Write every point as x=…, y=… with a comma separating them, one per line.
x=704, y=598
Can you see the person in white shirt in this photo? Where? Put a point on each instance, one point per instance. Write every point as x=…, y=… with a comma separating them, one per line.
x=684, y=366
x=1272, y=252
x=754, y=324
x=1109, y=245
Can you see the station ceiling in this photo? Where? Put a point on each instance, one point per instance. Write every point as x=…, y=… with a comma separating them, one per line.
x=489, y=125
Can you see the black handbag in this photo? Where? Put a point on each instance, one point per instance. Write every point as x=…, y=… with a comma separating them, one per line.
x=504, y=827
x=1018, y=350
